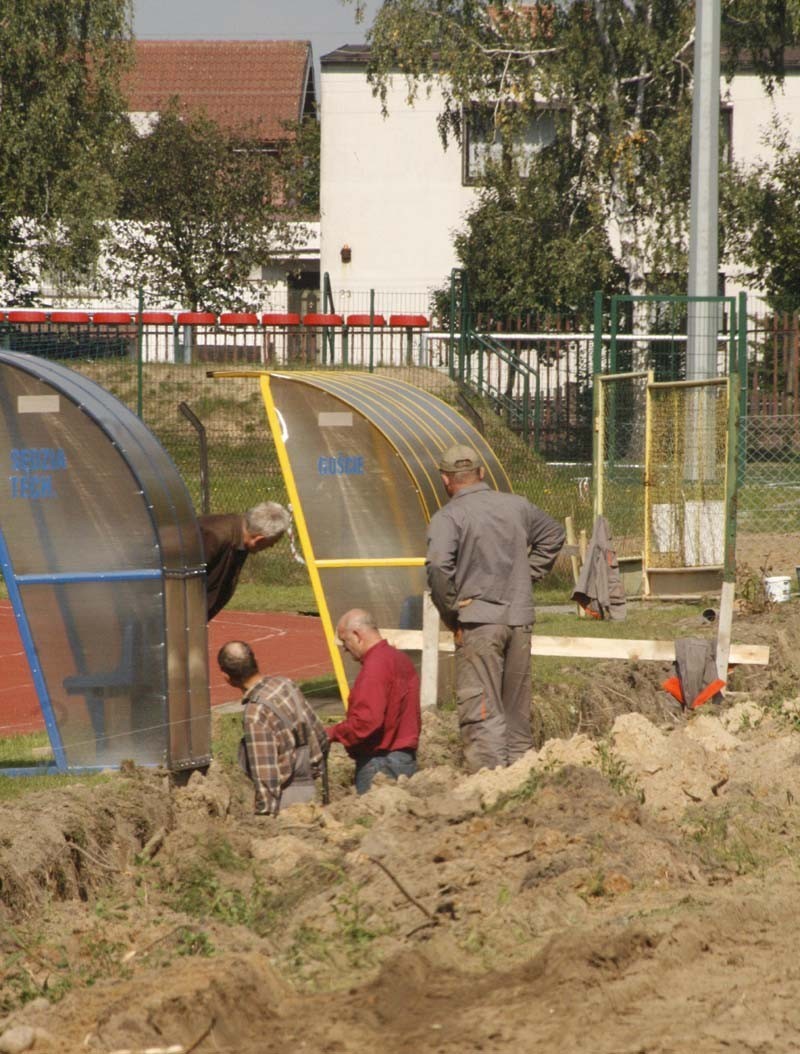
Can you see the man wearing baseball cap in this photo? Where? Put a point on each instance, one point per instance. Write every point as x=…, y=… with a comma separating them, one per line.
x=485, y=550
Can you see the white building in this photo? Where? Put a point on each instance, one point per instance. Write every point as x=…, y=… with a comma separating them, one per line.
x=389, y=192
x=392, y=197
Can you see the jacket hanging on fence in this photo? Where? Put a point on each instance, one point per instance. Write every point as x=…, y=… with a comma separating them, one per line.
x=694, y=680
x=599, y=589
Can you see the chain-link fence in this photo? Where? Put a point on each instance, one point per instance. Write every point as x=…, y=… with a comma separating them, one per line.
x=768, y=538
x=620, y=458
x=159, y=370
x=686, y=458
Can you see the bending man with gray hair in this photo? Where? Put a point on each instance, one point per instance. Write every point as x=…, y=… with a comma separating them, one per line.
x=381, y=730
x=284, y=744
x=229, y=538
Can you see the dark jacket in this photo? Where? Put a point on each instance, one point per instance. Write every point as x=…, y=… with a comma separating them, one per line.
x=223, y=546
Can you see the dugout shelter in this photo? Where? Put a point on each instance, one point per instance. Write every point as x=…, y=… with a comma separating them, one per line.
x=359, y=454
x=102, y=558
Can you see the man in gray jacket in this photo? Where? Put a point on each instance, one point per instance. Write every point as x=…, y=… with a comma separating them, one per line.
x=485, y=549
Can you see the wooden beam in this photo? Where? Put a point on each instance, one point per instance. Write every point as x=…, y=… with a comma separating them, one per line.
x=591, y=647
x=429, y=673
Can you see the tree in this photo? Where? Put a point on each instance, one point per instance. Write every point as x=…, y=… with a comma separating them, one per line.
x=536, y=240
x=200, y=206
x=61, y=116
x=297, y=166
x=620, y=69
x=763, y=214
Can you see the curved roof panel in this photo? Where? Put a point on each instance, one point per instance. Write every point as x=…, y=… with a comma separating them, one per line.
x=101, y=553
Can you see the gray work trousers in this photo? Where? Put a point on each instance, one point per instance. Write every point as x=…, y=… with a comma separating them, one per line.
x=494, y=694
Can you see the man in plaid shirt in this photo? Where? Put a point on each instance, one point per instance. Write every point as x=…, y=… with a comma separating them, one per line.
x=284, y=743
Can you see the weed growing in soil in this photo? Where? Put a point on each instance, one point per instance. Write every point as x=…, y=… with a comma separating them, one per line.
x=616, y=771
x=201, y=894
x=721, y=842
x=524, y=793
x=193, y=942
x=351, y=924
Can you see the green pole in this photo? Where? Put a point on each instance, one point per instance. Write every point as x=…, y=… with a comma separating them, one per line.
x=371, y=330
x=731, y=511
x=526, y=405
x=597, y=465
x=464, y=326
x=597, y=365
x=742, y=372
x=139, y=346
x=612, y=351
x=450, y=359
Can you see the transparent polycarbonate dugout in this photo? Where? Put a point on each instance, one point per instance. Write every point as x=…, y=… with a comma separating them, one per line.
x=102, y=557
x=359, y=454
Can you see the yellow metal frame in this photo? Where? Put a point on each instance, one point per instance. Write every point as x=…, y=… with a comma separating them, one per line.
x=303, y=535
x=652, y=386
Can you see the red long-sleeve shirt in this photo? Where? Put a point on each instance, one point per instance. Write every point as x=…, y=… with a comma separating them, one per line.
x=383, y=713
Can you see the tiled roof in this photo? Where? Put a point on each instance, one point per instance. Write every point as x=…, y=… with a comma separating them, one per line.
x=349, y=54
x=241, y=84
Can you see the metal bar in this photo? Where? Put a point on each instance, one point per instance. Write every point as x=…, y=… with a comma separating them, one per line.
x=700, y=382
x=202, y=439
x=598, y=421
x=70, y=577
x=304, y=536
x=731, y=509
x=597, y=335
x=29, y=646
x=139, y=346
x=648, y=455
x=371, y=330
x=375, y=561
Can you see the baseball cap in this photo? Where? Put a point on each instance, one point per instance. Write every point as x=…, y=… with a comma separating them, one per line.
x=459, y=457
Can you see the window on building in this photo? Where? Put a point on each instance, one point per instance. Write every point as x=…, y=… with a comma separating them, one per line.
x=484, y=142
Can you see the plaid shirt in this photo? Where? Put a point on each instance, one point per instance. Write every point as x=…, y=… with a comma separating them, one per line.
x=271, y=744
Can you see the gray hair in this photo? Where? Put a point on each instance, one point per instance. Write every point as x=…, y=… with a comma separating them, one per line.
x=268, y=519
x=358, y=619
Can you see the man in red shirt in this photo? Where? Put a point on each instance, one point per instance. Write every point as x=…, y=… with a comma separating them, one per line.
x=381, y=730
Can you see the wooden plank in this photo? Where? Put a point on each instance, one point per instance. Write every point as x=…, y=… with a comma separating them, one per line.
x=429, y=672
x=591, y=647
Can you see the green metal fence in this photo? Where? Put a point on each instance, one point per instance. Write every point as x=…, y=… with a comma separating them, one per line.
x=527, y=395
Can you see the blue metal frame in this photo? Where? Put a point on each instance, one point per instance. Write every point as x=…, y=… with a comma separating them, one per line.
x=71, y=577
x=32, y=655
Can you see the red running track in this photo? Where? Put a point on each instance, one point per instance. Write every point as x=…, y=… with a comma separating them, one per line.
x=291, y=645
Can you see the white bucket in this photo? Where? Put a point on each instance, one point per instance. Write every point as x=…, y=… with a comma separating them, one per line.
x=777, y=587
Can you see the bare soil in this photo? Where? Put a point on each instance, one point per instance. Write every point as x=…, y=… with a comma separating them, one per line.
x=629, y=888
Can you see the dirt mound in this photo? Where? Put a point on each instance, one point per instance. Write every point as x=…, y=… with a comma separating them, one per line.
x=629, y=887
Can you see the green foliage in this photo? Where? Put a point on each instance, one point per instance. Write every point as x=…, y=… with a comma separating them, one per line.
x=523, y=794
x=202, y=209
x=298, y=167
x=61, y=120
x=189, y=941
x=620, y=74
x=537, y=241
x=762, y=209
x=723, y=841
x=616, y=770
x=200, y=893
x=352, y=923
